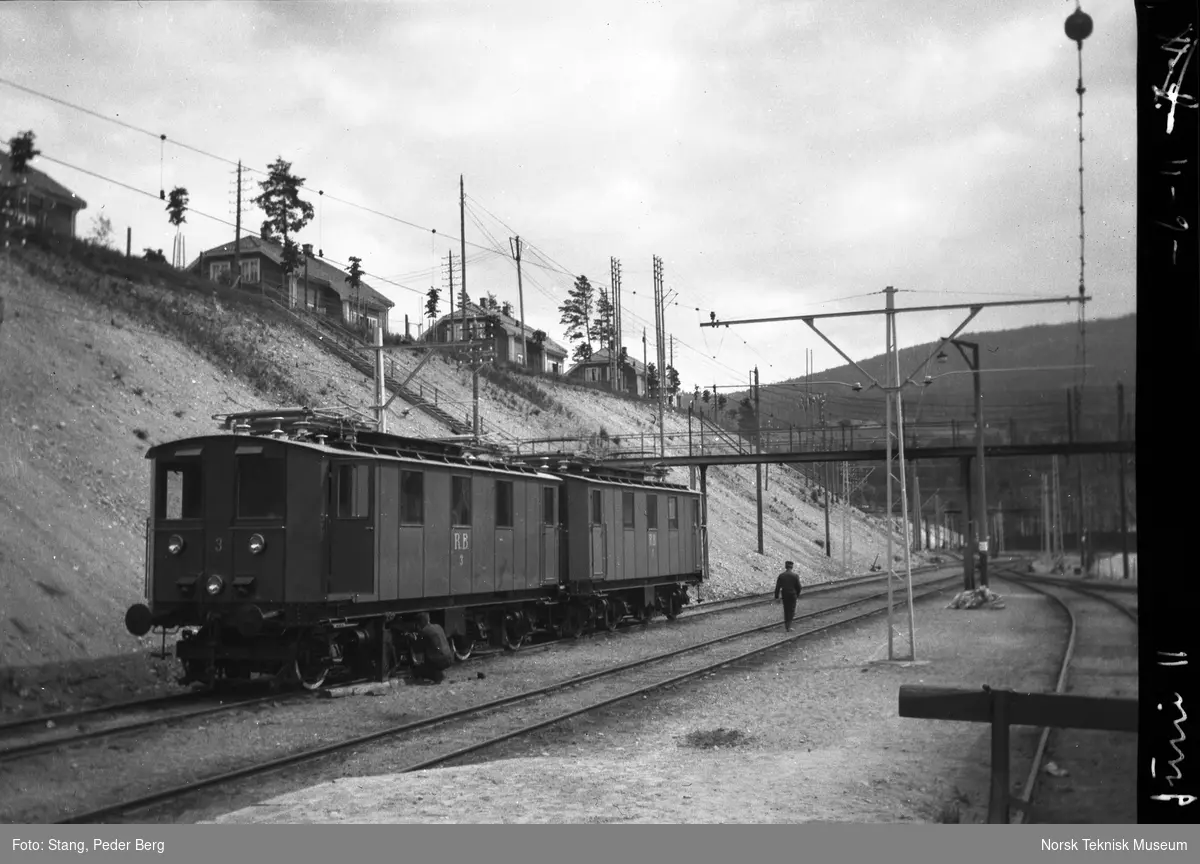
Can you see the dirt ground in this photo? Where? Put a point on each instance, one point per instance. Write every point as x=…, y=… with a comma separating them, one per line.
x=811, y=733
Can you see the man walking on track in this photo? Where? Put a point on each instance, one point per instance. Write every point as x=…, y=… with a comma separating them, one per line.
x=788, y=584
x=438, y=656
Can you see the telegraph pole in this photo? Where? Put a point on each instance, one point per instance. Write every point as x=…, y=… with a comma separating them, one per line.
x=450, y=270
x=661, y=353
x=380, y=403
x=515, y=243
x=616, y=281
x=758, y=465
x=237, y=231
x=462, y=254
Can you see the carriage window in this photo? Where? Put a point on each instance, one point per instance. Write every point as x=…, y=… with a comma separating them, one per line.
x=504, y=503
x=549, y=512
x=597, y=508
x=672, y=512
x=261, y=486
x=627, y=509
x=354, y=491
x=180, y=491
x=460, y=500
x=412, y=497
x=652, y=512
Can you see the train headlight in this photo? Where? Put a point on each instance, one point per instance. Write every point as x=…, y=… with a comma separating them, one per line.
x=215, y=585
x=175, y=544
x=257, y=544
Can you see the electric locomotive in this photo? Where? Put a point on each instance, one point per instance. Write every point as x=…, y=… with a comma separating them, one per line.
x=303, y=543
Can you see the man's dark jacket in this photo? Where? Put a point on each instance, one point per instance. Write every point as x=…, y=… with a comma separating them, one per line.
x=437, y=646
x=788, y=582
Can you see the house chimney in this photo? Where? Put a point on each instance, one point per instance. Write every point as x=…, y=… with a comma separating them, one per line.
x=307, y=250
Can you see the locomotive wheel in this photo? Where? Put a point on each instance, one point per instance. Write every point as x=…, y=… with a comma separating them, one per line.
x=312, y=666
x=462, y=646
x=612, y=614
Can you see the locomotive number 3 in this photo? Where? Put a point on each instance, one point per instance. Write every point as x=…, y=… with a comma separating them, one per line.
x=218, y=544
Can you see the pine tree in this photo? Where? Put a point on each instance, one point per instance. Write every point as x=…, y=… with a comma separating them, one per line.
x=286, y=212
x=577, y=317
x=603, y=325
x=21, y=151
x=354, y=279
x=177, y=206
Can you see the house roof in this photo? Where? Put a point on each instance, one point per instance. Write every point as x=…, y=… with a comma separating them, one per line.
x=38, y=180
x=510, y=325
x=600, y=358
x=319, y=270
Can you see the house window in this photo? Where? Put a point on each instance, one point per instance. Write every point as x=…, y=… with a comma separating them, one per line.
x=250, y=271
x=627, y=509
x=652, y=512
x=460, y=500
x=412, y=497
x=504, y=504
x=218, y=270
x=672, y=512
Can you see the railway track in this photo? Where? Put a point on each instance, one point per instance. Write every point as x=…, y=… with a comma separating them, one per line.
x=425, y=741
x=145, y=713
x=47, y=733
x=1087, y=642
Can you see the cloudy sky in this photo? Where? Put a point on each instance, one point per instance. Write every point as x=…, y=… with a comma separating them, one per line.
x=780, y=157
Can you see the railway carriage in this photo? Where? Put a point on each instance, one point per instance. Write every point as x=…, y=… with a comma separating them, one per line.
x=305, y=543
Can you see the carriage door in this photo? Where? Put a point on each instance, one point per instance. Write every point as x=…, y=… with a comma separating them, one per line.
x=352, y=531
x=652, y=535
x=599, y=547
x=461, y=547
x=549, y=563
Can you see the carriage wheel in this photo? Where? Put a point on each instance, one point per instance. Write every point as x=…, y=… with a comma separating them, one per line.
x=611, y=613
x=312, y=665
x=462, y=646
x=512, y=635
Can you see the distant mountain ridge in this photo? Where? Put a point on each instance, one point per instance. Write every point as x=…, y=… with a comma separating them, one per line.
x=1111, y=345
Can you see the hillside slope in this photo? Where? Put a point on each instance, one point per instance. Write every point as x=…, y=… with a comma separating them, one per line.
x=97, y=368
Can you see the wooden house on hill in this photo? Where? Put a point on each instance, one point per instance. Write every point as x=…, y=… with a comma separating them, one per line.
x=34, y=198
x=596, y=370
x=545, y=355
x=316, y=286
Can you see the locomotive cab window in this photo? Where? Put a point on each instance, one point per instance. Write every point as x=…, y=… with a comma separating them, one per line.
x=549, y=511
x=353, y=491
x=261, y=485
x=504, y=504
x=597, y=507
x=180, y=492
x=412, y=497
x=460, y=500
x=627, y=509
x=672, y=512
x=652, y=512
